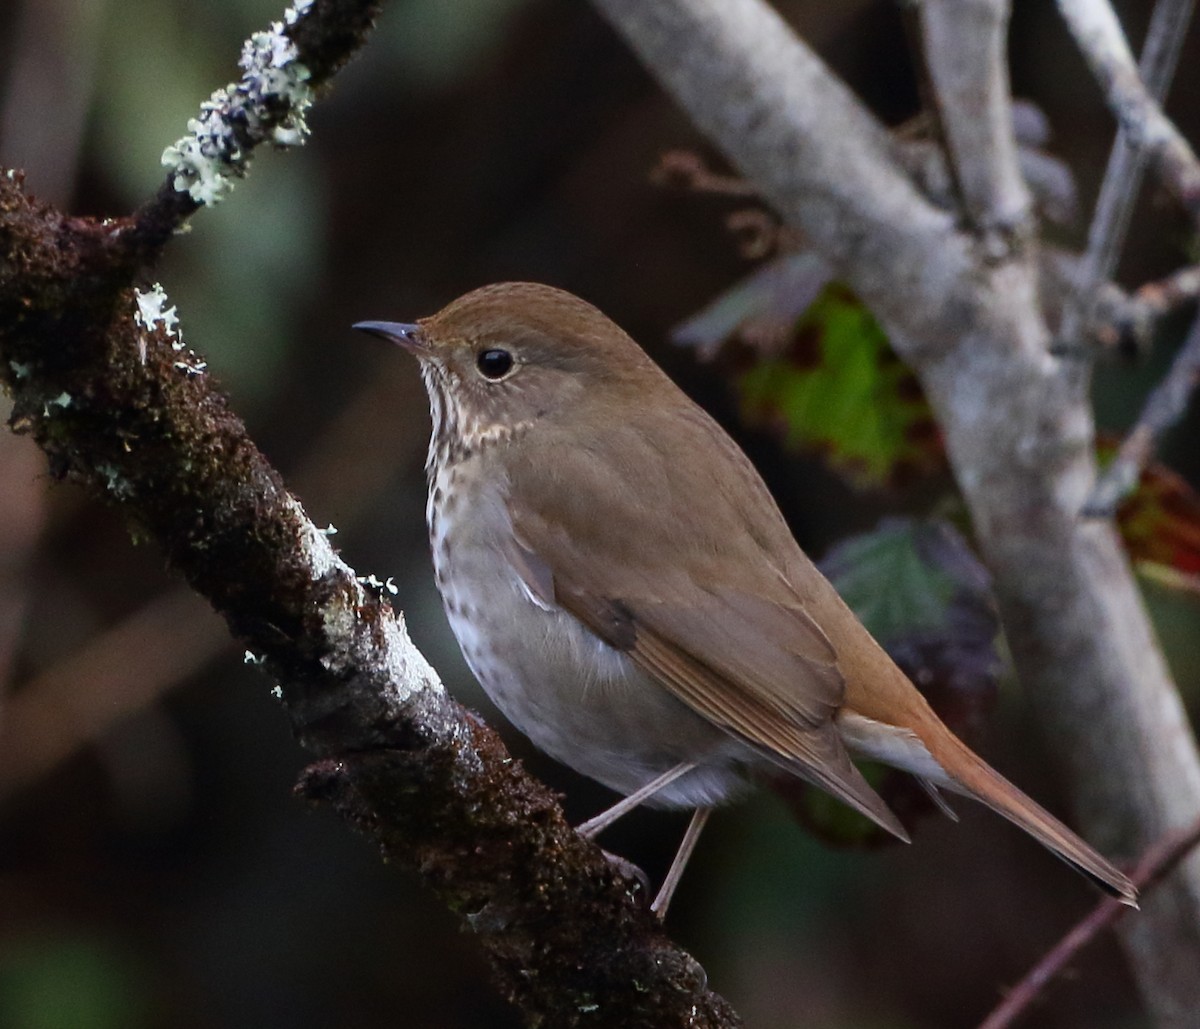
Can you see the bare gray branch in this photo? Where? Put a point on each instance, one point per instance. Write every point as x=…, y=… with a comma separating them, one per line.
x=1018, y=429
x=964, y=43
x=1123, y=176
x=1144, y=125
x=817, y=155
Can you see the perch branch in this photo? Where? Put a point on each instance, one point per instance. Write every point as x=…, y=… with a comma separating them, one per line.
x=103, y=382
x=1156, y=864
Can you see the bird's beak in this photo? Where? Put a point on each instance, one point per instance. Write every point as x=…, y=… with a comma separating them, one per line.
x=411, y=337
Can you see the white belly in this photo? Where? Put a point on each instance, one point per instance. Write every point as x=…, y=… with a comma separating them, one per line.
x=583, y=702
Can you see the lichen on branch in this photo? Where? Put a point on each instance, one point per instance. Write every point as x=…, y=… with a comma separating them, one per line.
x=268, y=103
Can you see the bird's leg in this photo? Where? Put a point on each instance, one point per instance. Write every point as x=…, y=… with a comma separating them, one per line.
x=594, y=826
x=675, y=872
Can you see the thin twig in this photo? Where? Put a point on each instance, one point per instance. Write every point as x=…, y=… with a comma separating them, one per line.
x=964, y=45
x=1163, y=296
x=1164, y=407
x=1145, y=127
x=1155, y=865
x=686, y=169
x=1126, y=163
x=266, y=106
x=926, y=133
x=1119, y=320
x=1129, y=321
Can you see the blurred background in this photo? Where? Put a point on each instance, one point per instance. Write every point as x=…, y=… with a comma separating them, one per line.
x=154, y=869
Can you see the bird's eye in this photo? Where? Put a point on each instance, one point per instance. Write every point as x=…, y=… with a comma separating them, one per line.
x=494, y=364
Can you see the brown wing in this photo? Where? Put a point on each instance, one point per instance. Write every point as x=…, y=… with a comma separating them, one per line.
x=706, y=612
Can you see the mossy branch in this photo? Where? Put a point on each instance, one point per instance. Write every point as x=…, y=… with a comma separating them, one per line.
x=101, y=379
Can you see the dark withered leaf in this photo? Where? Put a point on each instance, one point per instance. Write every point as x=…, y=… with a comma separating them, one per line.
x=1052, y=184
x=760, y=310
x=830, y=820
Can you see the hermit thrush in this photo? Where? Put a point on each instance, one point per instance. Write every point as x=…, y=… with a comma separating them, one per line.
x=627, y=592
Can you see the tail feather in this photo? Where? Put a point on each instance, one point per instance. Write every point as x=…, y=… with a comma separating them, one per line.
x=974, y=777
x=939, y=802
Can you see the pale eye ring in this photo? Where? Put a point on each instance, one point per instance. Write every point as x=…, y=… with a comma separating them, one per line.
x=494, y=363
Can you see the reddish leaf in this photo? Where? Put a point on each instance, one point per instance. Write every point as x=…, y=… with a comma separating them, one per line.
x=1160, y=521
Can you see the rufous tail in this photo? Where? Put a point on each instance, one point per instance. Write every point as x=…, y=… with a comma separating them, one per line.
x=973, y=776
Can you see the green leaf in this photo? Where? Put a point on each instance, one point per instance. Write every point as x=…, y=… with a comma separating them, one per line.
x=840, y=389
x=887, y=577
x=926, y=598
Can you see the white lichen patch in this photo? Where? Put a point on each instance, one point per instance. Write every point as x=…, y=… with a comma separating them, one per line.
x=63, y=400
x=251, y=658
x=115, y=482
x=352, y=644
x=314, y=544
x=408, y=670
x=374, y=582
x=268, y=104
x=292, y=14
x=189, y=368
x=152, y=313
x=20, y=370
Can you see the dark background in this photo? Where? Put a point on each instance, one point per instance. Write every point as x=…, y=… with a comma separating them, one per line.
x=154, y=870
